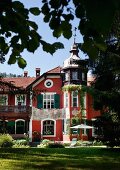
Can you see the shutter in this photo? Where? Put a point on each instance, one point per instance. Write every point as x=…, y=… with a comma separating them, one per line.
x=57, y=101
x=11, y=123
x=40, y=101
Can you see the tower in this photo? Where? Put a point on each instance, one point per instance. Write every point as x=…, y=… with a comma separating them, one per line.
x=74, y=68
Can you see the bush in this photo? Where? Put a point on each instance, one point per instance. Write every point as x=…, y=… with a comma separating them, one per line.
x=6, y=140
x=44, y=143
x=21, y=142
x=55, y=145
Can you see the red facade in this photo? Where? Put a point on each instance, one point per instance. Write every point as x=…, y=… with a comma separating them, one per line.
x=43, y=109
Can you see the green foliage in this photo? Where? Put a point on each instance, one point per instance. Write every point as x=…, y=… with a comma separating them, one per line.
x=44, y=143
x=20, y=143
x=6, y=140
x=94, y=25
x=55, y=145
x=75, y=121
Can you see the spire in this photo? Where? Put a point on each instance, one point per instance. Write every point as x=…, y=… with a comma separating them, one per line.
x=74, y=35
x=74, y=48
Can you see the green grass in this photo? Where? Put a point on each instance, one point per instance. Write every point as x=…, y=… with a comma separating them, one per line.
x=86, y=158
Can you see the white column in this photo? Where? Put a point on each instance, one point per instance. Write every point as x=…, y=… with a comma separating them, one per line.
x=30, y=130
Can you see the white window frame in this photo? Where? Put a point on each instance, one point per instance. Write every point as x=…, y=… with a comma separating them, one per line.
x=22, y=103
x=93, y=129
x=54, y=127
x=74, y=75
x=4, y=95
x=47, y=100
x=18, y=121
x=66, y=100
x=73, y=99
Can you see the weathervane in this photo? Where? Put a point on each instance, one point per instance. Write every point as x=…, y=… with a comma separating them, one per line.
x=74, y=35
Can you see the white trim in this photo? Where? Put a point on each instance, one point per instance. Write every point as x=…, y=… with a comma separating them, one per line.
x=66, y=98
x=54, y=128
x=18, y=121
x=46, y=81
x=30, y=130
x=53, y=76
x=43, y=79
x=38, y=82
x=16, y=104
x=72, y=98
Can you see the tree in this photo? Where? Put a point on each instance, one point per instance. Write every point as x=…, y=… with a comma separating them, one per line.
x=107, y=91
x=19, y=33
x=96, y=20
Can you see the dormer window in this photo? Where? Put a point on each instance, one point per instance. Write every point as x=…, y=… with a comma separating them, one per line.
x=74, y=75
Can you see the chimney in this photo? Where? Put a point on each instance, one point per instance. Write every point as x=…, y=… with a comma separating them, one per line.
x=25, y=73
x=37, y=72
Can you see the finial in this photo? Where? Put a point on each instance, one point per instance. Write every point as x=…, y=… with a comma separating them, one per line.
x=74, y=35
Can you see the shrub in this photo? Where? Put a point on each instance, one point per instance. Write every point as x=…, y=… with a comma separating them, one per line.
x=44, y=143
x=55, y=145
x=21, y=142
x=6, y=140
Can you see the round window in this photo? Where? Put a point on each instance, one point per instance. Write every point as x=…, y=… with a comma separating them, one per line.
x=48, y=83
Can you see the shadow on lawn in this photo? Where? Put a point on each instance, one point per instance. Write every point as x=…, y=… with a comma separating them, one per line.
x=74, y=158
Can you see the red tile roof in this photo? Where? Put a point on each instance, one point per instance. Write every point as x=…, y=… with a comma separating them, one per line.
x=55, y=70
x=20, y=81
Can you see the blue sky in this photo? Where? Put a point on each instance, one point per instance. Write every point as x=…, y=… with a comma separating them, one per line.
x=41, y=59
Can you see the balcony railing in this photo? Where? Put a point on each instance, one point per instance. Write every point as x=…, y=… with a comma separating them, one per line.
x=15, y=109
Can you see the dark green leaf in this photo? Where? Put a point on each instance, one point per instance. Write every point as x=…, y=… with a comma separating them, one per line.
x=66, y=28
x=45, y=9
x=17, y=4
x=47, y=18
x=58, y=45
x=34, y=11
x=57, y=32
x=33, y=25
x=12, y=59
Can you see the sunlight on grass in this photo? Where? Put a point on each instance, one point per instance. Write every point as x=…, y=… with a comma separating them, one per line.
x=64, y=159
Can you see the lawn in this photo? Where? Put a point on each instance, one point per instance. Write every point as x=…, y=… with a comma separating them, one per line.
x=84, y=158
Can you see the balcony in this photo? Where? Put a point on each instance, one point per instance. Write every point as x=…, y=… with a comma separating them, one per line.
x=15, y=111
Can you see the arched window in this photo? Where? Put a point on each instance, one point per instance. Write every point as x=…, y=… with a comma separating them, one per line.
x=20, y=126
x=48, y=127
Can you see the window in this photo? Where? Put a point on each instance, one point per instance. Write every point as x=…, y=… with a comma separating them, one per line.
x=83, y=76
x=20, y=99
x=66, y=99
x=66, y=76
x=3, y=100
x=48, y=83
x=48, y=100
x=84, y=131
x=48, y=127
x=74, y=75
x=74, y=99
x=20, y=126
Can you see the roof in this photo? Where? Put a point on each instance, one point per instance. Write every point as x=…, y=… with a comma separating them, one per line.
x=55, y=70
x=22, y=82
x=69, y=62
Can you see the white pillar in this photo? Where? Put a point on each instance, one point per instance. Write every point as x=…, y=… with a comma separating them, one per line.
x=30, y=130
